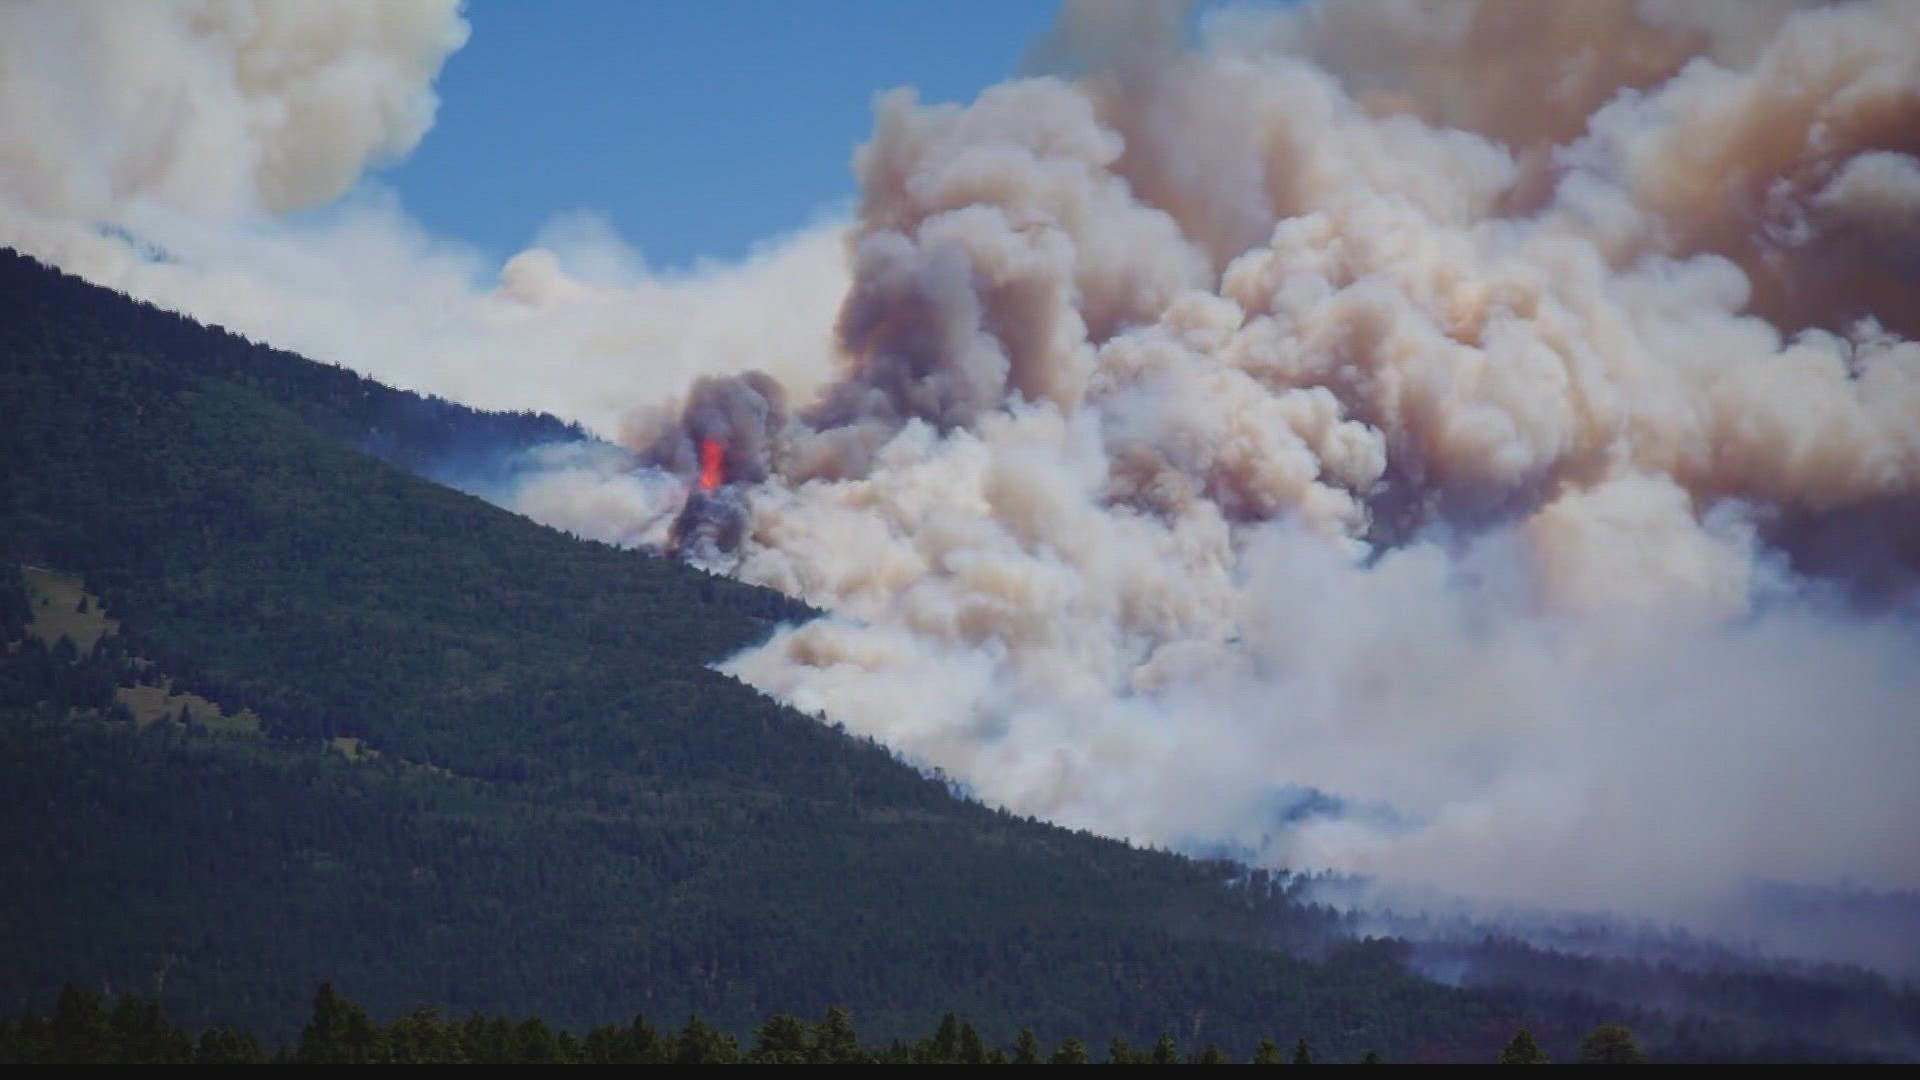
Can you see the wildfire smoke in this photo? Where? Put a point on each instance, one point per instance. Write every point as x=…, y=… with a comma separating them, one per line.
x=1371, y=436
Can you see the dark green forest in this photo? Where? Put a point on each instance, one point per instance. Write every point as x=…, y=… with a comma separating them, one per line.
x=486, y=767
x=135, y=1031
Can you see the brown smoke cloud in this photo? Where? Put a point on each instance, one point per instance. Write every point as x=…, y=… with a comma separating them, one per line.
x=1504, y=417
x=1406, y=400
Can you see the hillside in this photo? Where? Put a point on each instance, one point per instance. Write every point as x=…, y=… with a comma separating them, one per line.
x=551, y=804
x=606, y=824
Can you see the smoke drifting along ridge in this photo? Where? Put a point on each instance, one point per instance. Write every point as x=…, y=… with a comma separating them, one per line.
x=1501, y=417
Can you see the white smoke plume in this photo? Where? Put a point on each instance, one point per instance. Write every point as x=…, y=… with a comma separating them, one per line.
x=213, y=106
x=1405, y=401
x=1502, y=417
x=156, y=147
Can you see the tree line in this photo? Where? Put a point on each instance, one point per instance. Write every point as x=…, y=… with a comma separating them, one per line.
x=135, y=1031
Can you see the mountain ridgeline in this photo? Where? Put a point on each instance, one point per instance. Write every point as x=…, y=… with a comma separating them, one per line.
x=331, y=721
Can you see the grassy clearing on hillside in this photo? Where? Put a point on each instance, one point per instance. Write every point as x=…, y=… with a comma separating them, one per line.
x=56, y=609
x=57, y=599
x=353, y=748
x=150, y=703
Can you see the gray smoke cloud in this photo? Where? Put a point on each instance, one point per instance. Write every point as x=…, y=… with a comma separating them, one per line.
x=1411, y=402
x=1502, y=418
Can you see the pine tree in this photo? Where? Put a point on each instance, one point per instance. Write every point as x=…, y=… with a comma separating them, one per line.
x=1026, y=1048
x=605, y=1045
x=972, y=1050
x=1165, y=1052
x=30, y=1042
x=699, y=1044
x=1611, y=1044
x=80, y=1033
x=142, y=1035
x=422, y=1037
x=1523, y=1051
x=1302, y=1054
x=338, y=1033
x=225, y=1046
x=782, y=1040
x=534, y=1044
x=647, y=1047
x=1267, y=1054
x=946, y=1041
x=836, y=1042
x=1072, y=1052
x=486, y=1042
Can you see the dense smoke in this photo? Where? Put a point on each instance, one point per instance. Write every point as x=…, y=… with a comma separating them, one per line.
x=1501, y=419
x=1411, y=403
x=213, y=107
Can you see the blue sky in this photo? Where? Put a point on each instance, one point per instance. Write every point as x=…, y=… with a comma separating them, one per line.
x=697, y=127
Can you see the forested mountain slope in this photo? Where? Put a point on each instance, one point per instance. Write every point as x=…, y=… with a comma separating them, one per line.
x=568, y=810
x=554, y=805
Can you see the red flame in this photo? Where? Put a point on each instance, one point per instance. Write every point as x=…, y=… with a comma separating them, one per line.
x=713, y=469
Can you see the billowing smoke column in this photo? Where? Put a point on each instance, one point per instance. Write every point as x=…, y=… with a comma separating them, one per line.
x=720, y=439
x=1422, y=403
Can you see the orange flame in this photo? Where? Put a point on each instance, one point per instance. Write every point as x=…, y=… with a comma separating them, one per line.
x=713, y=469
